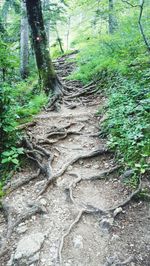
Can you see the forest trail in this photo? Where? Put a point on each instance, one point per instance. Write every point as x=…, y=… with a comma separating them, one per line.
x=75, y=220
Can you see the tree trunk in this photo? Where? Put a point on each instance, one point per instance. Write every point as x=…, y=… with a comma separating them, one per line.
x=48, y=32
x=24, y=44
x=46, y=5
x=112, y=19
x=59, y=41
x=47, y=74
x=68, y=32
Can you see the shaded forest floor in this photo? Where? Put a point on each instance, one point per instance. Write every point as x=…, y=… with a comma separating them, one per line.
x=70, y=214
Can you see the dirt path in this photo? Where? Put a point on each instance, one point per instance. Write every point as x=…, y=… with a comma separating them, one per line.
x=55, y=230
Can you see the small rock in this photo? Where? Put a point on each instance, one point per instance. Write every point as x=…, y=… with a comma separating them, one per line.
x=29, y=245
x=131, y=245
x=78, y=242
x=70, y=168
x=106, y=223
x=33, y=218
x=115, y=238
x=106, y=165
x=22, y=229
x=43, y=260
x=81, y=162
x=96, y=166
x=128, y=173
x=43, y=202
x=87, y=165
x=117, y=211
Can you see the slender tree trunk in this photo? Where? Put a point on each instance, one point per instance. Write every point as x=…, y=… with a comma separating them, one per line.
x=48, y=32
x=59, y=41
x=68, y=32
x=47, y=73
x=24, y=44
x=46, y=5
x=112, y=19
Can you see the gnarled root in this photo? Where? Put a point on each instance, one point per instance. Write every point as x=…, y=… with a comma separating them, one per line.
x=34, y=149
x=21, y=182
x=64, y=169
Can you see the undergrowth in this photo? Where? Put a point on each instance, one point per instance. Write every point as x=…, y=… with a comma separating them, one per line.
x=121, y=64
x=18, y=103
x=127, y=124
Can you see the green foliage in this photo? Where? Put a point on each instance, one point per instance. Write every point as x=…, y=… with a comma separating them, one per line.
x=121, y=64
x=55, y=51
x=7, y=61
x=12, y=156
x=117, y=53
x=18, y=104
x=127, y=125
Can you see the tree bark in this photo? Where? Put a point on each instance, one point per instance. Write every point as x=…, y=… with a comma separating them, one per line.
x=112, y=19
x=68, y=32
x=24, y=44
x=47, y=74
x=48, y=32
x=59, y=41
x=46, y=6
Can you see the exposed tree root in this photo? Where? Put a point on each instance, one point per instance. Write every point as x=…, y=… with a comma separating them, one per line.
x=129, y=198
x=52, y=141
x=26, y=125
x=13, y=223
x=43, y=159
x=75, y=222
x=117, y=262
x=46, y=152
x=101, y=176
x=89, y=90
x=52, y=105
x=64, y=169
x=64, y=134
x=77, y=219
x=45, y=168
x=59, y=136
x=89, y=209
x=123, y=204
x=21, y=182
x=61, y=129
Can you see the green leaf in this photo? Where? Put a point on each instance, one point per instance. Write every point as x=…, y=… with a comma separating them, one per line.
x=138, y=165
x=143, y=171
x=15, y=161
x=5, y=160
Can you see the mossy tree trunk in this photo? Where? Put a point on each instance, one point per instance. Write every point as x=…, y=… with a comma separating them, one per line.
x=24, y=43
x=47, y=74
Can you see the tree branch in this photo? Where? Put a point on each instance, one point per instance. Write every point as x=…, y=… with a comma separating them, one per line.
x=140, y=25
x=141, y=6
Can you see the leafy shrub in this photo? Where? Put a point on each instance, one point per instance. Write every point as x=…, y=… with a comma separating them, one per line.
x=15, y=109
x=127, y=125
x=12, y=156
